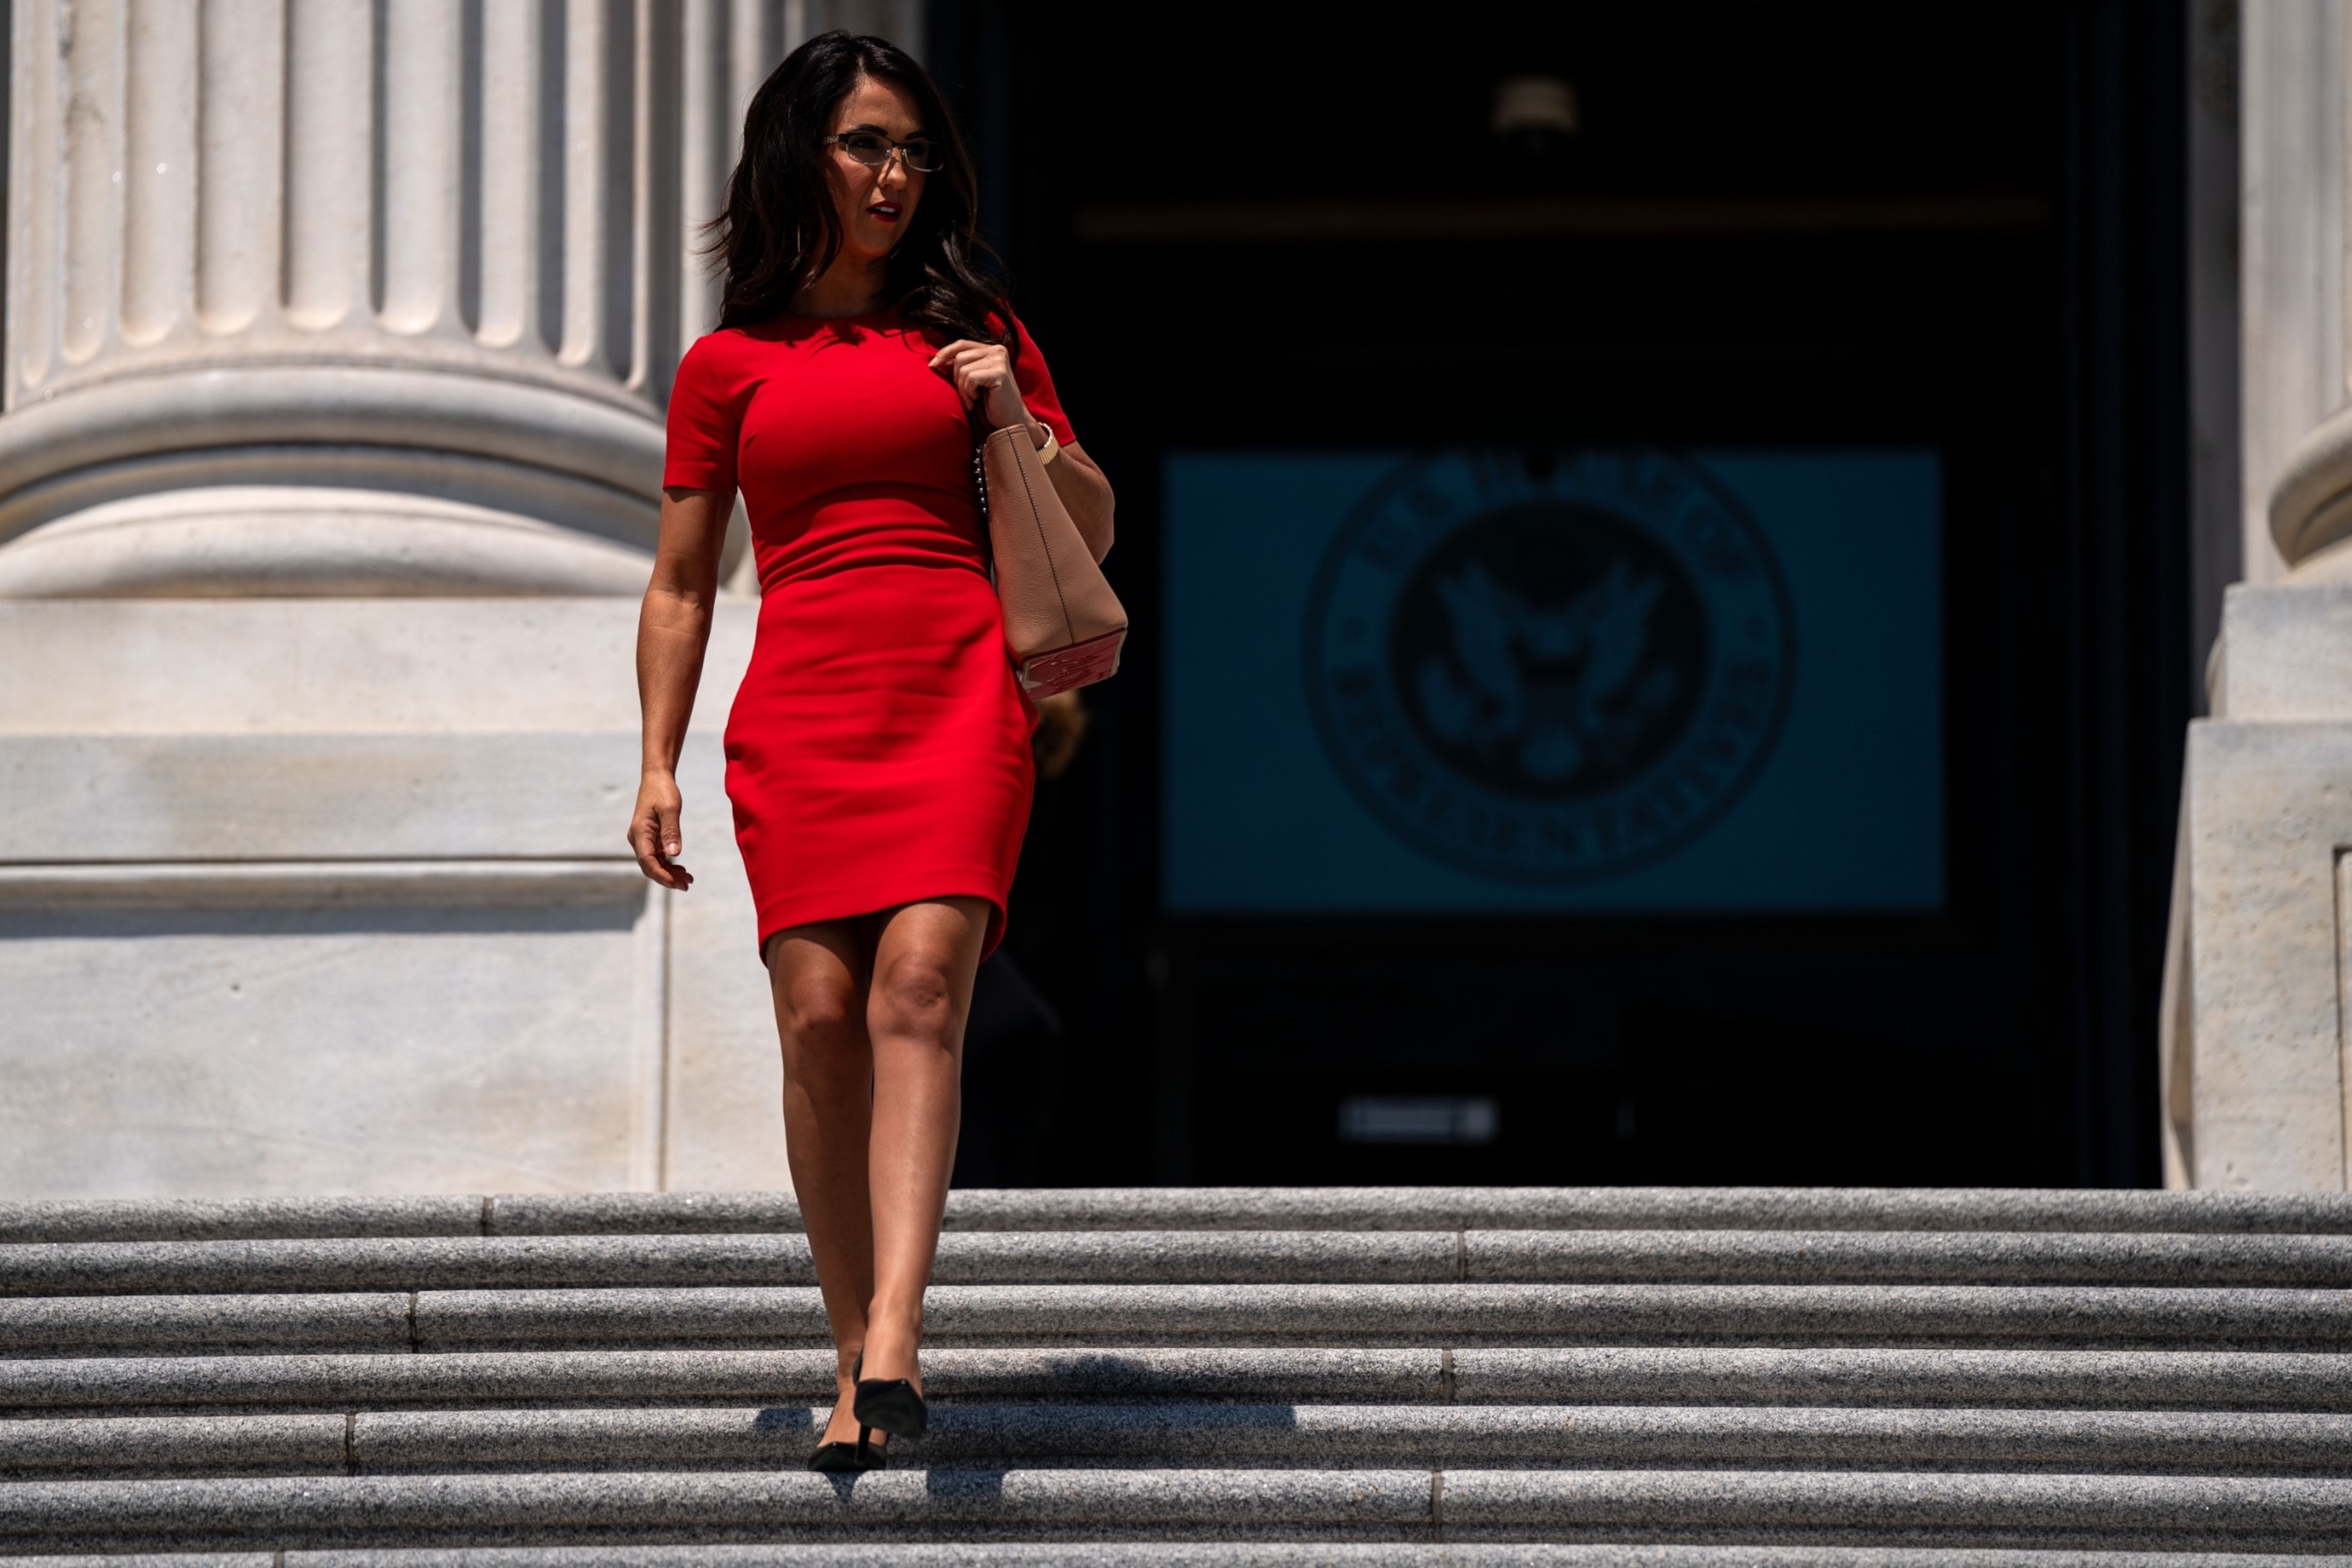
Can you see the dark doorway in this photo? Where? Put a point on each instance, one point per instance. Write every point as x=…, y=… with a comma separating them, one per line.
x=1828, y=229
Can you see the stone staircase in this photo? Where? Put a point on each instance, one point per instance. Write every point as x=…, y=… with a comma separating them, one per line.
x=1237, y=1377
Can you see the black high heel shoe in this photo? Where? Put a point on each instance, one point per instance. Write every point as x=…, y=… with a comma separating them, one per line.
x=888, y=1404
x=850, y=1458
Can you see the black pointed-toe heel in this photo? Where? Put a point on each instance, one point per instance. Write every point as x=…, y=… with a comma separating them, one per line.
x=888, y=1405
x=849, y=1459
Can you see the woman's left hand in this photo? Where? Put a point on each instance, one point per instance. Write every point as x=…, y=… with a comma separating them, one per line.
x=983, y=373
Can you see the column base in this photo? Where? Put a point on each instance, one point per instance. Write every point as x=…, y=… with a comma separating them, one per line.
x=285, y=540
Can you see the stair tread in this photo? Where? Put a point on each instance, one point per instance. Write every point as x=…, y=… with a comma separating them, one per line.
x=1806, y=1376
x=1972, y=1378
x=1210, y=1208
x=1190, y=1555
x=1964, y=1507
x=1231, y=1256
x=1201, y=1435
x=1110, y=1314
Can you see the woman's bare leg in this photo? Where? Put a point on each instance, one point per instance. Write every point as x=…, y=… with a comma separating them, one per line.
x=819, y=975
x=918, y=999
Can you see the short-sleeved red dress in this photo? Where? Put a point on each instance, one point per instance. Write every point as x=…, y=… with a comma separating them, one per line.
x=879, y=750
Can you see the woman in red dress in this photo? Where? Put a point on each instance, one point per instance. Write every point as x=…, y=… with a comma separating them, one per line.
x=877, y=756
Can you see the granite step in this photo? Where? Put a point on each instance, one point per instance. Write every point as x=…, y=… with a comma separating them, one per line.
x=1287, y=1256
x=1842, y=1507
x=1875, y=1378
x=1127, y=1315
x=776, y=1439
x=1208, y=1208
x=1944, y=1379
x=1195, y=1554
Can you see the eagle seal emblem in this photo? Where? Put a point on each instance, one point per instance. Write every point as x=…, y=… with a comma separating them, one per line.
x=1550, y=666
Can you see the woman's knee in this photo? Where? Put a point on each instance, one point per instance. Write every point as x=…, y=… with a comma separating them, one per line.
x=818, y=1015
x=914, y=995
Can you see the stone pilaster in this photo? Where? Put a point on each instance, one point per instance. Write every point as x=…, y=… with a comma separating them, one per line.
x=2255, y=1048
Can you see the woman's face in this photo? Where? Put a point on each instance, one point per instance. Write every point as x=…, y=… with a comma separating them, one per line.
x=875, y=205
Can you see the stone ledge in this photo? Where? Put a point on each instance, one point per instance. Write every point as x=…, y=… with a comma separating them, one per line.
x=315, y=884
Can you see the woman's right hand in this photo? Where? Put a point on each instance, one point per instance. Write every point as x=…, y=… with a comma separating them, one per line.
x=653, y=830
x=672, y=631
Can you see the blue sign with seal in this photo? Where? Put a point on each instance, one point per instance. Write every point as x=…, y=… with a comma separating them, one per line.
x=1549, y=667
x=1480, y=679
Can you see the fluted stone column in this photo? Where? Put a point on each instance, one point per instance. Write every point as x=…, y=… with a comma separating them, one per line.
x=2256, y=1046
x=409, y=279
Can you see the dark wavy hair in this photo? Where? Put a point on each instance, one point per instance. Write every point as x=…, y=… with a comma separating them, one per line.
x=780, y=232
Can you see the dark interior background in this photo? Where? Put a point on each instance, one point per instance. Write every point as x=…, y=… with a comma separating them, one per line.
x=1820, y=223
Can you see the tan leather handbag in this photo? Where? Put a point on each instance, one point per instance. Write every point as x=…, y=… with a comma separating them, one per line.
x=1063, y=625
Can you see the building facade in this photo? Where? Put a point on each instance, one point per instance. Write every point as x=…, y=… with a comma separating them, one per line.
x=1905, y=427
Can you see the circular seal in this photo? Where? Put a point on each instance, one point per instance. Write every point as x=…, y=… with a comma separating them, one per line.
x=1550, y=666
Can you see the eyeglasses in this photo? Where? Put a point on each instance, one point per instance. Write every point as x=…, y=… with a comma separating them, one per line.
x=873, y=149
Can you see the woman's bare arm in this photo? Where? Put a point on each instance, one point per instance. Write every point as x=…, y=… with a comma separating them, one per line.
x=1085, y=493
x=672, y=631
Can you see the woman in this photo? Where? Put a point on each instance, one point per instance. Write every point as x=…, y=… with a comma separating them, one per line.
x=877, y=756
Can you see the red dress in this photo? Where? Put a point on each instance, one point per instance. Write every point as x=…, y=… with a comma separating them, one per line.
x=879, y=750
